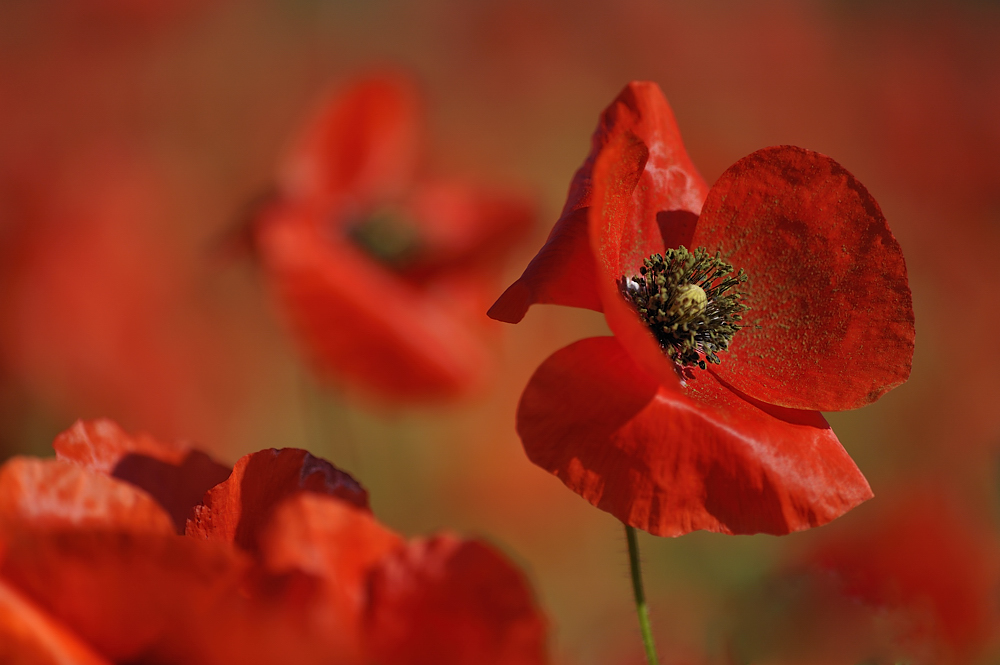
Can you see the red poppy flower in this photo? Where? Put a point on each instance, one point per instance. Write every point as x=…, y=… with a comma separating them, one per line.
x=380, y=272
x=924, y=558
x=635, y=423
x=912, y=579
x=282, y=562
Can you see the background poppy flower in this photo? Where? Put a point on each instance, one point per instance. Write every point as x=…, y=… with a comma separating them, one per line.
x=741, y=447
x=282, y=561
x=912, y=578
x=380, y=271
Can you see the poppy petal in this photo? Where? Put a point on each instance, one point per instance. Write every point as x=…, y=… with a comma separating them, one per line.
x=669, y=463
x=926, y=551
x=29, y=635
x=669, y=199
x=403, y=343
x=364, y=141
x=465, y=227
x=562, y=273
x=175, y=475
x=618, y=171
x=54, y=494
x=121, y=592
x=236, y=510
x=830, y=324
x=339, y=544
x=100, y=444
x=329, y=538
x=450, y=602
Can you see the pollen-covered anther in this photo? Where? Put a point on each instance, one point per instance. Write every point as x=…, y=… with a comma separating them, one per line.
x=690, y=303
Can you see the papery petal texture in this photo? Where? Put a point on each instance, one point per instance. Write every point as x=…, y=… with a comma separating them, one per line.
x=56, y=494
x=830, y=324
x=176, y=475
x=671, y=193
x=236, y=510
x=617, y=173
x=670, y=463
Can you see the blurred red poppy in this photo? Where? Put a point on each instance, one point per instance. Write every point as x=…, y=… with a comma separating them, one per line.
x=923, y=558
x=652, y=425
x=913, y=579
x=283, y=562
x=381, y=271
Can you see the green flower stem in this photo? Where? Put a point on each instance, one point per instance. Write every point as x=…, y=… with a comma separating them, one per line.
x=640, y=596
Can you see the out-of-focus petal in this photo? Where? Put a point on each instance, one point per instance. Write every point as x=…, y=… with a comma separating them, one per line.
x=445, y=601
x=121, y=592
x=363, y=325
x=29, y=636
x=176, y=475
x=338, y=543
x=668, y=200
x=924, y=555
x=670, y=463
x=236, y=510
x=364, y=141
x=100, y=444
x=329, y=538
x=56, y=494
x=831, y=319
x=464, y=227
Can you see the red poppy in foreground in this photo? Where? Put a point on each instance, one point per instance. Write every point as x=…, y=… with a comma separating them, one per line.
x=738, y=312
x=282, y=561
x=383, y=275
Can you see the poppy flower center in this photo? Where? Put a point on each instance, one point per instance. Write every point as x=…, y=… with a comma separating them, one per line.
x=690, y=303
x=387, y=236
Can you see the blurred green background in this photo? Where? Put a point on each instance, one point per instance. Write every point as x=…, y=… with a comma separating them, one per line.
x=134, y=135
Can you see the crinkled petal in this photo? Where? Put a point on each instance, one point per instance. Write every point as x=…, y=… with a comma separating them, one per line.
x=29, y=635
x=667, y=201
x=365, y=326
x=100, y=444
x=176, y=475
x=831, y=319
x=450, y=602
x=54, y=494
x=670, y=463
x=364, y=141
x=236, y=510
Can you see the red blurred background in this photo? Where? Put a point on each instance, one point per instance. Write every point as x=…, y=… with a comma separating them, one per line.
x=135, y=136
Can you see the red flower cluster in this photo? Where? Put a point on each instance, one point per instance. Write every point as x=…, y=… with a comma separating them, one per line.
x=280, y=561
x=631, y=422
x=381, y=273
